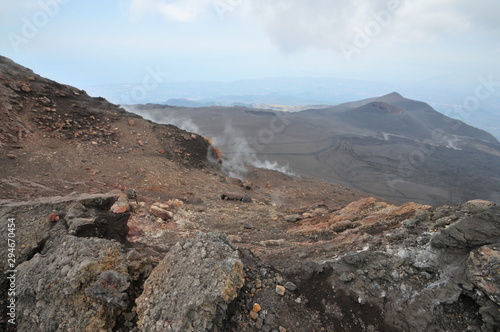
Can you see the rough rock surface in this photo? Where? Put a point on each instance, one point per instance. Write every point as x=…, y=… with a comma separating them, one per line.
x=483, y=270
x=286, y=311
x=191, y=287
x=74, y=284
x=67, y=265
x=80, y=215
x=437, y=270
x=428, y=272
x=470, y=232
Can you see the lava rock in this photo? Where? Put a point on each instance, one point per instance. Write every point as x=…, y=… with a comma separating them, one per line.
x=290, y=286
x=483, y=270
x=292, y=218
x=469, y=232
x=161, y=213
x=195, y=290
x=110, y=287
x=280, y=290
x=76, y=284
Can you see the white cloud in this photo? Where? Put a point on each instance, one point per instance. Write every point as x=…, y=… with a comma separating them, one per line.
x=297, y=25
x=294, y=25
x=13, y=10
x=426, y=20
x=178, y=10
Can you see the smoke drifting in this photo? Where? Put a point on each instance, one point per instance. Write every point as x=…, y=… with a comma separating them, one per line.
x=237, y=151
x=240, y=154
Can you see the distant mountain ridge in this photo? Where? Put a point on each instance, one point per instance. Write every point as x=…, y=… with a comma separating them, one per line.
x=183, y=102
x=389, y=146
x=447, y=94
x=404, y=117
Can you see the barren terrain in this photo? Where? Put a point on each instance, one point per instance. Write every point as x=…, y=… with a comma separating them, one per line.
x=123, y=224
x=390, y=146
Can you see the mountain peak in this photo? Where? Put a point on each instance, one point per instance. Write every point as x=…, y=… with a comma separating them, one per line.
x=394, y=95
x=391, y=97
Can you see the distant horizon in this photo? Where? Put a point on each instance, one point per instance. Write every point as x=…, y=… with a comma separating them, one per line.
x=97, y=42
x=451, y=99
x=438, y=51
x=447, y=99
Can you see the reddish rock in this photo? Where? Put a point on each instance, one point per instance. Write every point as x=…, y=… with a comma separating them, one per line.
x=256, y=307
x=25, y=87
x=280, y=290
x=134, y=231
x=254, y=315
x=247, y=184
x=483, y=270
x=53, y=217
x=216, y=154
x=161, y=213
x=121, y=205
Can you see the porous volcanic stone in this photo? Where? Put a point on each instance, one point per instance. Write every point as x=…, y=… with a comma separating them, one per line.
x=191, y=287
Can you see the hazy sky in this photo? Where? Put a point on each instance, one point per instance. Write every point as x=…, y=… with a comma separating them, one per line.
x=119, y=41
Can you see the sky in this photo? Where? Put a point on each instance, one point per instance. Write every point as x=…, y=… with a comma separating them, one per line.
x=85, y=43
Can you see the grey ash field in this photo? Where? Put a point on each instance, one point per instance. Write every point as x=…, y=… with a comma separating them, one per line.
x=120, y=225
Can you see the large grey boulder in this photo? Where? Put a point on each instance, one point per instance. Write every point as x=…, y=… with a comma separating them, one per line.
x=472, y=231
x=72, y=273
x=191, y=287
x=75, y=284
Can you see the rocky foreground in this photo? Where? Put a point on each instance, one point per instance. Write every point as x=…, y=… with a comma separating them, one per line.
x=122, y=224
x=438, y=270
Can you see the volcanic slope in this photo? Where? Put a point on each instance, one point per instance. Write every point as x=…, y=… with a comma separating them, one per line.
x=121, y=224
x=390, y=146
x=57, y=145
